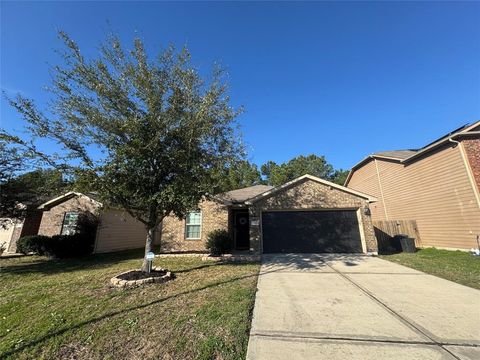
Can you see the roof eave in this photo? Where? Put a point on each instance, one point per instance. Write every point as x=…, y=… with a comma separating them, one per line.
x=51, y=203
x=355, y=167
x=464, y=133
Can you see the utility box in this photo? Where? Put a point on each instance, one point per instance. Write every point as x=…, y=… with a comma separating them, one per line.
x=404, y=243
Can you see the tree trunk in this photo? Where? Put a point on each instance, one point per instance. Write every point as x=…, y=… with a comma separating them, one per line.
x=148, y=246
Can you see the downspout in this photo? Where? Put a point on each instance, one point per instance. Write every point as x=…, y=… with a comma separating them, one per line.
x=381, y=189
x=468, y=169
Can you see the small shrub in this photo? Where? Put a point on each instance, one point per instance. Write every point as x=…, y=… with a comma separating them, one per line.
x=218, y=242
x=63, y=246
x=87, y=224
x=69, y=246
x=37, y=244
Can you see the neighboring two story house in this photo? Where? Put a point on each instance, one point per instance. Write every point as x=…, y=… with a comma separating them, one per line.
x=437, y=185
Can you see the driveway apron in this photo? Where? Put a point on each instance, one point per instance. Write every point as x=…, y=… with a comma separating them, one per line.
x=342, y=306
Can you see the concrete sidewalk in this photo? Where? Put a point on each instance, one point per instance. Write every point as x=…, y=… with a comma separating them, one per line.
x=311, y=306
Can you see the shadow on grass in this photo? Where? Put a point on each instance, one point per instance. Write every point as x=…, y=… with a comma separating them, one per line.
x=271, y=264
x=119, y=312
x=219, y=263
x=55, y=266
x=203, y=266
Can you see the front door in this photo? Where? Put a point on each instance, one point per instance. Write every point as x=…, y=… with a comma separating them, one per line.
x=241, y=230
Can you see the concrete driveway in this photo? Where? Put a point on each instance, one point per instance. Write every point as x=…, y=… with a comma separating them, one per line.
x=320, y=306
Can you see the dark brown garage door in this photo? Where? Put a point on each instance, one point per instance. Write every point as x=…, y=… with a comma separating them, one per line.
x=311, y=232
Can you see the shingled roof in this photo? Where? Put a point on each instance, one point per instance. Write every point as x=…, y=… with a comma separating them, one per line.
x=242, y=195
x=396, y=154
x=408, y=155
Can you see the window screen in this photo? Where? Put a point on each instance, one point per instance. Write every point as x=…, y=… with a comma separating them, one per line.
x=193, y=225
x=69, y=225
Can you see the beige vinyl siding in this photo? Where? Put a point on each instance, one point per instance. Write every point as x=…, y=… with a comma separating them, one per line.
x=365, y=179
x=6, y=232
x=436, y=192
x=119, y=231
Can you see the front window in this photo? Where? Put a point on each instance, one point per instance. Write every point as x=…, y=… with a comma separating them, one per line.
x=69, y=225
x=193, y=227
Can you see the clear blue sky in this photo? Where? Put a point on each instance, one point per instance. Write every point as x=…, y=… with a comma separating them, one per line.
x=335, y=79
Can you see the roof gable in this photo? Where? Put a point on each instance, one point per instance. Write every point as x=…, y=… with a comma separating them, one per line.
x=293, y=182
x=405, y=156
x=62, y=198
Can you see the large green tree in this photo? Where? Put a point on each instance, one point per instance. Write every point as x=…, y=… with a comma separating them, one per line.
x=21, y=194
x=11, y=195
x=277, y=174
x=21, y=189
x=238, y=175
x=339, y=176
x=147, y=132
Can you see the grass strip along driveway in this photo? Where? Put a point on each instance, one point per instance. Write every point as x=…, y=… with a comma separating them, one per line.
x=458, y=266
x=57, y=309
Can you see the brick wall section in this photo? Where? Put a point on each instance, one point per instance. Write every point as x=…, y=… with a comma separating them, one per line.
x=472, y=148
x=310, y=194
x=52, y=219
x=214, y=216
x=29, y=226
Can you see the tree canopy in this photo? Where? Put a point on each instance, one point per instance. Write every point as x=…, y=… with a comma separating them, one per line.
x=148, y=133
x=238, y=175
x=22, y=190
x=277, y=174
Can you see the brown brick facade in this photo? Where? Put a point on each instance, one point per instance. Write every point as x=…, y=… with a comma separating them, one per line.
x=214, y=216
x=472, y=148
x=52, y=219
x=310, y=194
x=29, y=226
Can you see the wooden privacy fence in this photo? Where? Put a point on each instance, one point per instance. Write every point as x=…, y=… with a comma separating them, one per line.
x=386, y=229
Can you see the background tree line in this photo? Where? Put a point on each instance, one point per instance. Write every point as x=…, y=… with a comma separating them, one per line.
x=245, y=173
x=32, y=187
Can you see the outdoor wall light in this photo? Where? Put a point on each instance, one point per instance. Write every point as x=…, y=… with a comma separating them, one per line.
x=366, y=210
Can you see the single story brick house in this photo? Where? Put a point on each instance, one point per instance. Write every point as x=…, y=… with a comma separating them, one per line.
x=307, y=214
x=54, y=217
x=437, y=185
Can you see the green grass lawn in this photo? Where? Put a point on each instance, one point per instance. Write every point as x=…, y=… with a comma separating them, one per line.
x=457, y=266
x=65, y=309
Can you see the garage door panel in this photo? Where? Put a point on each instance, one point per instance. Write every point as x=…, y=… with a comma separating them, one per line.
x=311, y=231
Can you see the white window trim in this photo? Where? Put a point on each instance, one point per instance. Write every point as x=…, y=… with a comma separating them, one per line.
x=187, y=224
